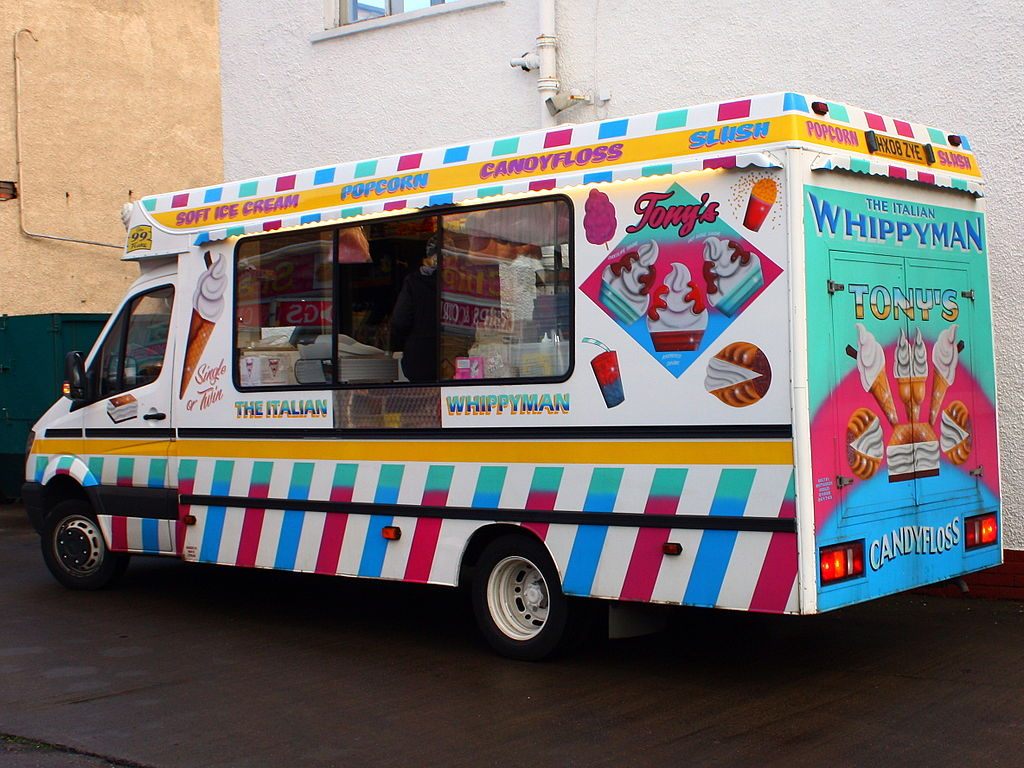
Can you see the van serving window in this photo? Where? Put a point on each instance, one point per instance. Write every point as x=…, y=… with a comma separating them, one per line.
x=479, y=295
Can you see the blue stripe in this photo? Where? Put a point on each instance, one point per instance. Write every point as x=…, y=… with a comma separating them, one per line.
x=455, y=154
x=612, y=129
x=288, y=544
x=291, y=525
x=151, y=535
x=597, y=178
x=794, y=102
x=323, y=176
x=372, y=562
x=716, y=547
x=212, y=532
x=589, y=541
x=375, y=545
x=445, y=199
x=709, y=567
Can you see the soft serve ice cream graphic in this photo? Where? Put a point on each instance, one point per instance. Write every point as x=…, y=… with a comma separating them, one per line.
x=207, y=307
x=913, y=449
x=677, y=316
x=732, y=273
x=627, y=280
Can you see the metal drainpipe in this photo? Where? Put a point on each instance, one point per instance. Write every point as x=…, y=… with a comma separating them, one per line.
x=17, y=156
x=547, y=51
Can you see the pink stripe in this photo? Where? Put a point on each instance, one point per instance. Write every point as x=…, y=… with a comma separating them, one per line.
x=395, y=205
x=903, y=129
x=424, y=545
x=926, y=178
x=875, y=122
x=330, y=542
x=734, y=110
x=541, y=529
x=284, y=183
x=645, y=562
x=341, y=493
x=778, y=573
x=119, y=533
x=409, y=162
x=558, y=138
x=788, y=509
x=537, y=186
x=541, y=500
x=252, y=527
x=896, y=172
x=179, y=201
x=720, y=162
x=270, y=226
x=435, y=498
x=185, y=488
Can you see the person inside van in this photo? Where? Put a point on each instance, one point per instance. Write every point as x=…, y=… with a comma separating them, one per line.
x=414, y=320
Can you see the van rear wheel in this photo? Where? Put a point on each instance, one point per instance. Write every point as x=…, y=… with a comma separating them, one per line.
x=74, y=549
x=518, y=600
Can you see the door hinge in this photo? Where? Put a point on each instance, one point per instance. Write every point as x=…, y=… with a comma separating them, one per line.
x=968, y=294
x=977, y=471
x=843, y=480
x=834, y=287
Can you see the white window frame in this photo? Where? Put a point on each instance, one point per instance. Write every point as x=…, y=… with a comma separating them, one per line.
x=338, y=12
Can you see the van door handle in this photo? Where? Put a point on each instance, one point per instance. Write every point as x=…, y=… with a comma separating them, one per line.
x=155, y=416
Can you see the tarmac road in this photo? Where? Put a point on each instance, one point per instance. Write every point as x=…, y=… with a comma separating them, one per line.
x=186, y=665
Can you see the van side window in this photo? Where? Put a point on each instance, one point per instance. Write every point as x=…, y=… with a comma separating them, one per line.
x=284, y=295
x=484, y=294
x=132, y=355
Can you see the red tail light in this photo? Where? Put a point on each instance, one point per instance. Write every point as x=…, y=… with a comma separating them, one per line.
x=841, y=561
x=981, y=530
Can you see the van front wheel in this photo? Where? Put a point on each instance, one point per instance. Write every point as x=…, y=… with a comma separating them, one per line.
x=74, y=549
x=518, y=600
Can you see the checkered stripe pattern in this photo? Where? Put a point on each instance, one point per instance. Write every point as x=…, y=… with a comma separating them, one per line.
x=704, y=115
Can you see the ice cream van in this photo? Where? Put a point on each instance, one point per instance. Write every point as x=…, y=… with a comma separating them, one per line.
x=736, y=355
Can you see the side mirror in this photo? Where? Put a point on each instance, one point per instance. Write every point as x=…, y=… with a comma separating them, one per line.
x=74, y=376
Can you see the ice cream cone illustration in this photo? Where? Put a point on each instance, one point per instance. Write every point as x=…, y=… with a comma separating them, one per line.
x=910, y=367
x=762, y=198
x=207, y=307
x=945, y=355
x=871, y=364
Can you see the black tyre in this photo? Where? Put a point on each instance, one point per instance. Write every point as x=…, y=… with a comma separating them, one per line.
x=74, y=549
x=518, y=600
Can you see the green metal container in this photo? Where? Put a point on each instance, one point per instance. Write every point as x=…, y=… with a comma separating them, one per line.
x=32, y=350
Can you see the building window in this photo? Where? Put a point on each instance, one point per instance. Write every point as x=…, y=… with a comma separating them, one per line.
x=353, y=11
x=474, y=296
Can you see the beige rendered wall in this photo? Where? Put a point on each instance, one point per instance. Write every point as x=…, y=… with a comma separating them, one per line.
x=119, y=98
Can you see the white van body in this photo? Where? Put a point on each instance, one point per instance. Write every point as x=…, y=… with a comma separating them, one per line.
x=737, y=355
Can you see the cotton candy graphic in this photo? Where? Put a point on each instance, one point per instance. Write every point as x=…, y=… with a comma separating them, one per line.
x=599, y=221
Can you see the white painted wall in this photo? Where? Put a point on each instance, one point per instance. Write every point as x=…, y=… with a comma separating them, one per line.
x=290, y=103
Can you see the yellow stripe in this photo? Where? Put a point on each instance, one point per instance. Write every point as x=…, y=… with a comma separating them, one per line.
x=715, y=452
x=643, y=149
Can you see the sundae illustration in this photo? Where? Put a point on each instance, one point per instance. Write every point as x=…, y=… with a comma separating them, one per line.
x=207, y=307
x=627, y=281
x=739, y=374
x=762, y=197
x=677, y=316
x=732, y=274
x=599, y=220
x=913, y=449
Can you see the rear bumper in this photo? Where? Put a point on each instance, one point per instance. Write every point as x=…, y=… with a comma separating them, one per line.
x=32, y=496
